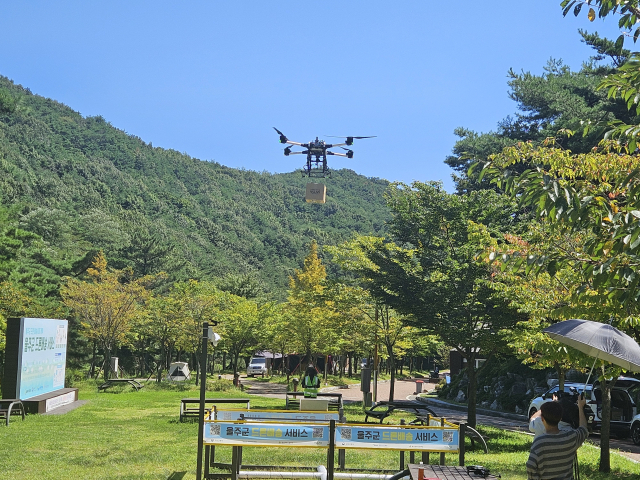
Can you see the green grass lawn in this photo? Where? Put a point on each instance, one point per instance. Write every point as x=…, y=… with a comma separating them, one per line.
x=126, y=434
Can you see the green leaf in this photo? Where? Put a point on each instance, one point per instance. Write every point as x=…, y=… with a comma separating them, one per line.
x=619, y=43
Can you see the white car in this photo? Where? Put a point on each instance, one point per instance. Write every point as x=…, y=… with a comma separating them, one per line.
x=534, y=406
x=257, y=366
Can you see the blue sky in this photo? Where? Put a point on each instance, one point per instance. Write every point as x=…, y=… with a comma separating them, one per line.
x=211, y=78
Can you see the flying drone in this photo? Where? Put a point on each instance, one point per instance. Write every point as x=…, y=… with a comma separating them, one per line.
x=316, y=152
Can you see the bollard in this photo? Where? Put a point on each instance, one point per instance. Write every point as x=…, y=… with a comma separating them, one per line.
x=295, y=384
x=419, y=386
x=236, y=379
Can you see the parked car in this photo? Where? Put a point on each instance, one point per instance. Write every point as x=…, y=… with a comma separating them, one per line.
x=547, y=396
x=625, y=396
x=257, y=366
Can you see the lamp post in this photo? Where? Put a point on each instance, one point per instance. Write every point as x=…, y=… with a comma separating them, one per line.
x=208, y=335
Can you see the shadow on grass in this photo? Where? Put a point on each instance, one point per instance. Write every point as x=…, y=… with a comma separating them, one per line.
x=500, y=441
x=176, y=476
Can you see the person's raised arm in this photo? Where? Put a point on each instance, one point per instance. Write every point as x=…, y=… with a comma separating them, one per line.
x=582, y=401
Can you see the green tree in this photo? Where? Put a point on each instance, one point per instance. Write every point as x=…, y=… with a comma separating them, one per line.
x=105, y=305
x=431, y=272
x=311, y=316
x=557, y=100
x=595, y=195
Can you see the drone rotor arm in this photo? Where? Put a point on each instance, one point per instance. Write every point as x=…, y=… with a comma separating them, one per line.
x=337, y=154
x=294, y=143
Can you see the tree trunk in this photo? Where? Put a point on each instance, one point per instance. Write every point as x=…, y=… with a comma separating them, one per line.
x=392, y=367
x=93, y=361
x=471, y=391
x=107, y=363
x=605, y=426
x=561, y=377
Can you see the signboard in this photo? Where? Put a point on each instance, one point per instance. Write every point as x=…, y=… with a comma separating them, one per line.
x=426, y=439
x=266, y=434
x=275, y=415
x=42, y=356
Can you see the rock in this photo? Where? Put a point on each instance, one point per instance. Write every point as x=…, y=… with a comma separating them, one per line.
x=518, y=388
x=495, y=405
x=487, y=388
x=514, y=376
x=519, y=410
x=539, y=391
x=531, y=383
x=485, y=404
x=461, y=396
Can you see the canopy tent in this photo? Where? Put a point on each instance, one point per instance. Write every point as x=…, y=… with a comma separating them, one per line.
x=179, y=372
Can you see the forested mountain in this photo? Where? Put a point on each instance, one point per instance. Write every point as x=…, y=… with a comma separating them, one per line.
x=82, y=185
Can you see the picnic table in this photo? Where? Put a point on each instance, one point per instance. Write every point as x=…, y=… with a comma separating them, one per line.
x=293, y=403
x=188, y=411
x=11, y=406
x=119, y=381
x=442, y=472
x=382, y=410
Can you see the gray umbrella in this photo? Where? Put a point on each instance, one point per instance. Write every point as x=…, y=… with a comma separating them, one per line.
x=598, y=340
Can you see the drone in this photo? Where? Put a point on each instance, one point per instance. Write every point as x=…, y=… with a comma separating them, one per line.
x=316, y=152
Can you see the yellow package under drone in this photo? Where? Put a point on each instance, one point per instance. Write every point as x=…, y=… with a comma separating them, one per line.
x=316, y=193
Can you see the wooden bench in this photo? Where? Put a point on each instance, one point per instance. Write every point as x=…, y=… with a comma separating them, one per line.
x=11, y=406
x=119, y=381
x=335, y=400
x=382, y=410
x=193, y=412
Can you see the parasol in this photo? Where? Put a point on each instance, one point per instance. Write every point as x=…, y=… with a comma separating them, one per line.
x=598, y=340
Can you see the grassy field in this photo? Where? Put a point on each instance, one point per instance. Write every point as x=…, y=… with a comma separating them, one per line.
x=136, y=435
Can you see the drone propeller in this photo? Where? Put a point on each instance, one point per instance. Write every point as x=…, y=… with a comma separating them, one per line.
x=349, y=152
x=350, y=140
x=283, y=137
x=287, y=150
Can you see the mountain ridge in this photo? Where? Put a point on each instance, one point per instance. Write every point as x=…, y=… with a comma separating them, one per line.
x=85, y=185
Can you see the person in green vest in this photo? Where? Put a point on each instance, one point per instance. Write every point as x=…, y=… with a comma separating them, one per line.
x=310, y=382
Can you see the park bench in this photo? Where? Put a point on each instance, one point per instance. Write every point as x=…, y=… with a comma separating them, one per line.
x=186, y=410
x=119, y=381
x=335, y=400
x=382, y=410
x=11, y=406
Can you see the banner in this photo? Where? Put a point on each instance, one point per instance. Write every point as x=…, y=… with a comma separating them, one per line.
x=267, y=434
x=426, y=439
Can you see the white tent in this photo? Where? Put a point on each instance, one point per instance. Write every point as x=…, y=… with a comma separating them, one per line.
x=179, y=371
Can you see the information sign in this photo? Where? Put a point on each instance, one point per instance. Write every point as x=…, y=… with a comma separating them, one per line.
x=42, y=356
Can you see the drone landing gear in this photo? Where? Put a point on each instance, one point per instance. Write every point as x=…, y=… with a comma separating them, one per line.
x=316, y=168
